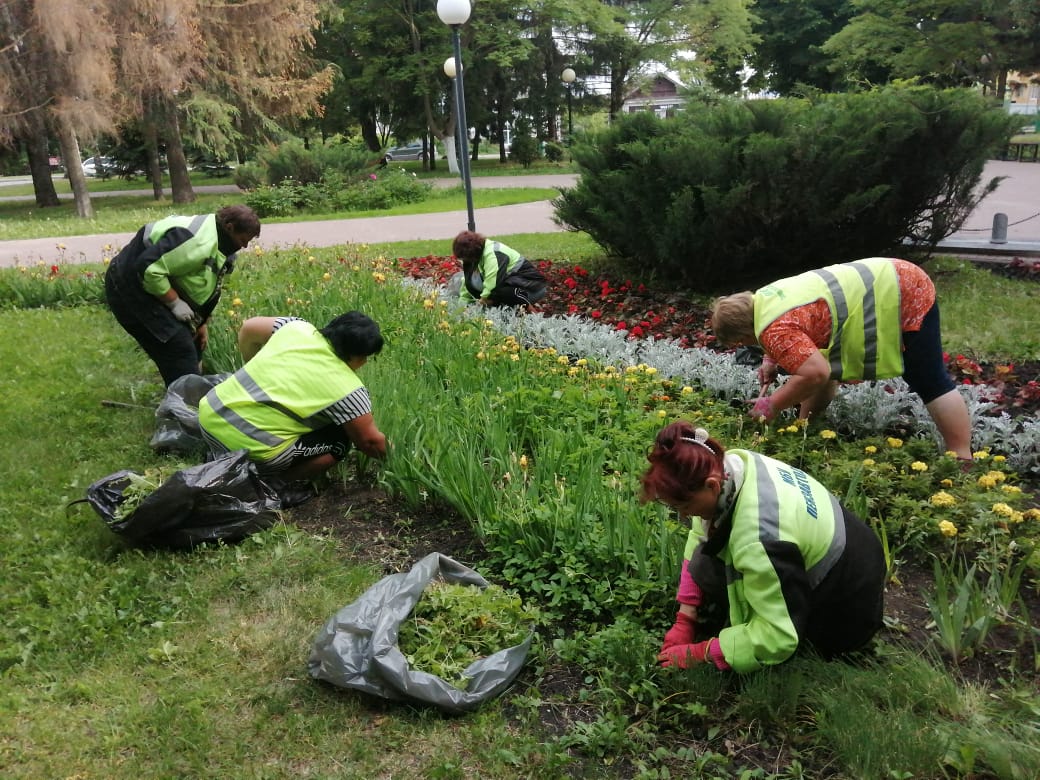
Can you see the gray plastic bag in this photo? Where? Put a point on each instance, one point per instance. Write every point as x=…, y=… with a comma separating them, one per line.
x=177, y=417
x=357, y=647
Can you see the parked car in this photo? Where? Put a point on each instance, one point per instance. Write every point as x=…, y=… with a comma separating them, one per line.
x=99, y=166
x=412, y=151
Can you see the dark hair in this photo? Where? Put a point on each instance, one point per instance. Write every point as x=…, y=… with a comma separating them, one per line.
x=678, y=465
x=468, y=247
x=240, y=219
x=353, y=335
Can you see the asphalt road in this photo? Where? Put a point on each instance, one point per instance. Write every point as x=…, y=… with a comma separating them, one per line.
x=1017, y=196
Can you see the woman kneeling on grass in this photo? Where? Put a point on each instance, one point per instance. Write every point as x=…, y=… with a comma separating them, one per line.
x=297, y=405
x=773, y=559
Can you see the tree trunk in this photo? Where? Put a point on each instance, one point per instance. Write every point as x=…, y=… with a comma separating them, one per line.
x=151, y=140
x=180, y=183
x=453, y=155
x=369, y=133
x=40, y=167
x=74, y=166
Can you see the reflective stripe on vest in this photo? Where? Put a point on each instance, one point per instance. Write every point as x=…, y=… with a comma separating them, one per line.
x=192, y=226
x=769, y=511
x=298, y=360
x=864, y=302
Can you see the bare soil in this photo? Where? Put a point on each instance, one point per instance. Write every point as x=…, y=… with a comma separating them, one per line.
x=376, y=529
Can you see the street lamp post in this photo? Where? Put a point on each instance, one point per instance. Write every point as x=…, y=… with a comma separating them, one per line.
x=568, y=77
x=454, y=13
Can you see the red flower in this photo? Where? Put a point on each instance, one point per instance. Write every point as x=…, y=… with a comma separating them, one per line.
x=595, y=314
x=621, y=326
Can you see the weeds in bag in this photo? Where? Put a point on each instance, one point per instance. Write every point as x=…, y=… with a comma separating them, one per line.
x=452, y=626
x=140, y=486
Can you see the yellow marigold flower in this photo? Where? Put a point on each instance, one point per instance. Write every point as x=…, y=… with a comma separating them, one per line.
x=311, y=258
x=894, y=443
x=687, y=390
x=562, y=360
x=828, y=434
x=523, y=462
x=999, y=458
x=444, y=304
x=650, y=370
x=573, y=371
x=105, y=260
x=481, y=356
x=791, y=429
x=950, y=454
x=980, y=455
x=236, y=302
x=942, y=499
x=662, y=413
x=947, y=483
x=987, y=481
x=1000, y=508
x=1012, y=490
x=515, y=357
x=998, y=476
x=946, y=528
x=326, y=276
x=379, y=277
x=427, y=304
x=1032, y=514
x=870, y=449
x=611, y=369
x=582, y=362
x=919, y=466
x=631, y=369
x=488, y=323
x=868, y=461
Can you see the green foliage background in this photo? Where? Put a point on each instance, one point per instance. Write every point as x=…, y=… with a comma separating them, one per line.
x=730, y=194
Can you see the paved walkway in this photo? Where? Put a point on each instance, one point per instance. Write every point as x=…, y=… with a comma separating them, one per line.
x=1018, y=196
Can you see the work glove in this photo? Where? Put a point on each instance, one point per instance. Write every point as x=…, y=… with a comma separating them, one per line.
x=180, y=310
x=681, y=633
x=684, y=656
x=767, y=372
x=762, y=409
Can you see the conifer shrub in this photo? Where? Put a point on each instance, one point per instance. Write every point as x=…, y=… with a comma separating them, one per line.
x=731, y=194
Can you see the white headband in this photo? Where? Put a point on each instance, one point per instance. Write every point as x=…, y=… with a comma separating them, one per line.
x=700, y=436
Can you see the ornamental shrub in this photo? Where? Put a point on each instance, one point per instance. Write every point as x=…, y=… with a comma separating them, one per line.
x=313, y=164
x=736, y=193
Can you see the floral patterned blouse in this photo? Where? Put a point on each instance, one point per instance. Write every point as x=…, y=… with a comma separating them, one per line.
x=794, y=336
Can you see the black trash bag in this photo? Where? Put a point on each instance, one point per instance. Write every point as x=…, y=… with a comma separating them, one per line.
x=224, y=500
x=177, y=417
x=357, y=647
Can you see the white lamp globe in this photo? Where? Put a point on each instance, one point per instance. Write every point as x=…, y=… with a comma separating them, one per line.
x=449, y=67
x=568, y=75
x=453, y=11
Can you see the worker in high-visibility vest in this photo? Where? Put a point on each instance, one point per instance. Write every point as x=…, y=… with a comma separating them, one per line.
x=297, y=405
x=876, y=318
x=163, y=286
x=774, y=562
x=494, y=274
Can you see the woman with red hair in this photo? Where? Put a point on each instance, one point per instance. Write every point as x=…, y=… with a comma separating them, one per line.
x=773, y=561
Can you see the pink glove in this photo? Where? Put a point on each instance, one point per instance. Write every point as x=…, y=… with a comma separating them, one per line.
x=681, y=633
x=763, y=409
x=684, y=656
